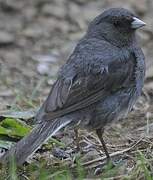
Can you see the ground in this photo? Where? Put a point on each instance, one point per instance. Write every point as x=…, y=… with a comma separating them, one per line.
x=36, y=37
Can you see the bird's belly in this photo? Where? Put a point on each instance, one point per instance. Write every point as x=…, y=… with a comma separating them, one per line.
x=113, y=107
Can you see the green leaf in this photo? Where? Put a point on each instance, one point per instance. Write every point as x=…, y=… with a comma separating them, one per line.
x=14, y=128
x=145, y=166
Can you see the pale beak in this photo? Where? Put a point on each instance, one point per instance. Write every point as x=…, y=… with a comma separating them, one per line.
x=137, y=23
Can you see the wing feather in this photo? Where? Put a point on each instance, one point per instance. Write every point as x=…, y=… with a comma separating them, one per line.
x=85, y=82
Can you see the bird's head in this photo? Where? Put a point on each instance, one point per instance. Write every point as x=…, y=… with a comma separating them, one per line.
x=115, y=24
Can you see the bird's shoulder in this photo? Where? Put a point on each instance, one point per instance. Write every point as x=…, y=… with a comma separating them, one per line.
x=93, y=47
x=93, y=56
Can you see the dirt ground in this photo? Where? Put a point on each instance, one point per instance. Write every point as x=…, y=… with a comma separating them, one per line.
x=36, y=37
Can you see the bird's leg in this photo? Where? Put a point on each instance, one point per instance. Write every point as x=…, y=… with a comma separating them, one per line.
x=100, y=136
x=77, y=139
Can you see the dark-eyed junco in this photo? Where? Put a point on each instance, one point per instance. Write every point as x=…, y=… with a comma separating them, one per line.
x=99, y=83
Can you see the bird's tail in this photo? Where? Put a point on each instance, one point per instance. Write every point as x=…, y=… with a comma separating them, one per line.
x=29, y=144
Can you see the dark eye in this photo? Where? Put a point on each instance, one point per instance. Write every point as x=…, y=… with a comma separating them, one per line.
x=117, y=23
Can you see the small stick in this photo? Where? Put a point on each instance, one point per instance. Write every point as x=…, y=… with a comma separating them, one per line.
x=111, y=155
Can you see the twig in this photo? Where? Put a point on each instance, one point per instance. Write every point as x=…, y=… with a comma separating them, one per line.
x=111, y=155
x=116, y=177
x=99, y=145
x=23, y=175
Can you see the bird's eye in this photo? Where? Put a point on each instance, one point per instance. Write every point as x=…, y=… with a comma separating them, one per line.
x=116, y=23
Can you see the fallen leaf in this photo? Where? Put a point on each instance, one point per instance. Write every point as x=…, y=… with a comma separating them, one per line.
x=19, y=114
x=13, y=128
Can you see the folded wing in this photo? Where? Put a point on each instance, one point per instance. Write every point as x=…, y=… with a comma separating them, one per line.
x=85, y=81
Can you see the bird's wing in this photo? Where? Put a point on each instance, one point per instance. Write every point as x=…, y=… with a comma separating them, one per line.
x=83, y=86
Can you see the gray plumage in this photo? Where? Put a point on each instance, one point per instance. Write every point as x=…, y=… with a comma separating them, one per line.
x=99, y=83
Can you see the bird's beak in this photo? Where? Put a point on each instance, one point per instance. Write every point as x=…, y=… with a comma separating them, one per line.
x=137, y=23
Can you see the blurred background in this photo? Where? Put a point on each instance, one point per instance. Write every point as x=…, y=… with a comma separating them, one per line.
x=36, y=37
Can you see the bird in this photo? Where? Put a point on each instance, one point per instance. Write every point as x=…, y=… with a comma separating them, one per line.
x=99, y=83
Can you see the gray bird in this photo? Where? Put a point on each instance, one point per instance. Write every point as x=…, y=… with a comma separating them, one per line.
x=99, y=83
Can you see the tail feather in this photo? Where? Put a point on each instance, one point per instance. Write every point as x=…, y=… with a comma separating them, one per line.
x=29, y=144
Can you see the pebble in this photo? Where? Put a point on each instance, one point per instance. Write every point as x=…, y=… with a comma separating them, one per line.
x=6, y=38
x=43, y=68
x=59, y=153
x=57, y=11
x=51, y=58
